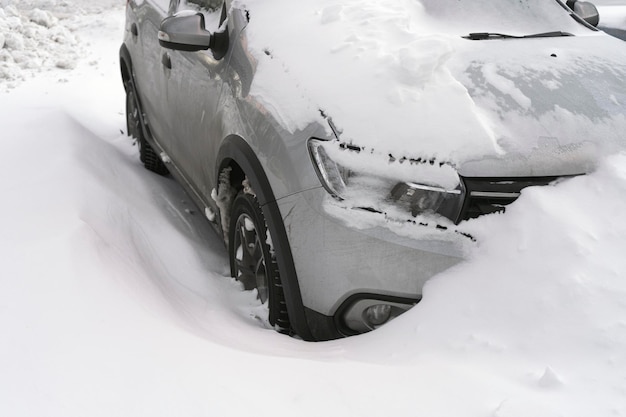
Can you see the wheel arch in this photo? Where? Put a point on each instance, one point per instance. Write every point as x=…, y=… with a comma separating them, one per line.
x=239, y=159
x=126, y=70
x=126, y=66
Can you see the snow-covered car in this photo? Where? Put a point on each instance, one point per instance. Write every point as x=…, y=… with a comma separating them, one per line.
x=340, y=147
x=613, y=19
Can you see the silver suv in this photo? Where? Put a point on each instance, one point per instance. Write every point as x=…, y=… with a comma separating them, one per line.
x=340, y=165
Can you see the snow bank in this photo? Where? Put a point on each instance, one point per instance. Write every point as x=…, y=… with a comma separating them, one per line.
x=539, y=306
x=39, y=35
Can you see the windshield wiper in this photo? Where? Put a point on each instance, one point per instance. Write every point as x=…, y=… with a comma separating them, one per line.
x=480, y=36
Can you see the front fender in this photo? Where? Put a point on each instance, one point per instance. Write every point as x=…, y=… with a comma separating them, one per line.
x=236, y=150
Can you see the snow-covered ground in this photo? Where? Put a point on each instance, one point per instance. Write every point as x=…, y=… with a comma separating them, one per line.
x=115, y=298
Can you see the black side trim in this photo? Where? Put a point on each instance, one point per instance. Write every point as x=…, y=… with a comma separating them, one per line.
x=126, y=68
x=219, y=44
x=236, y=149
x=129, y=82
x=322, y=327
x=126, y=63
x=182, y=46
x=345, y=331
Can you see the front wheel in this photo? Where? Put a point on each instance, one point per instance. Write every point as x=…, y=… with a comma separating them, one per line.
x=252, y=258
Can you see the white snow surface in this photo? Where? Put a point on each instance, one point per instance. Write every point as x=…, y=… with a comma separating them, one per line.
x=115, y=300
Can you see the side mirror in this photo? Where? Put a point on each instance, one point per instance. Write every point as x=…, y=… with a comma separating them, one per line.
x=587, y=11
x=185, y=32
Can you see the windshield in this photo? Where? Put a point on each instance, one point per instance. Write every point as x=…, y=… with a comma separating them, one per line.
x=516, y=17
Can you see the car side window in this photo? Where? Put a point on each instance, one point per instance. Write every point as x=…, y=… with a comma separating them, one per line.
x=210, y=9
x=207, y=4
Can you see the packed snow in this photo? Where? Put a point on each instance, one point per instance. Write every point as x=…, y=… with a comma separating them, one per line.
x=116, y=301
x=41, y=35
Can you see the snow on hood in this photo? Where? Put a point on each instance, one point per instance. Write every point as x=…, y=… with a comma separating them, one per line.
x=398, y=78
x=554, y=105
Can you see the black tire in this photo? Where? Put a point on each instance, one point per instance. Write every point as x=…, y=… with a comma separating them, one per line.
x=147, y=155
x=252, y=260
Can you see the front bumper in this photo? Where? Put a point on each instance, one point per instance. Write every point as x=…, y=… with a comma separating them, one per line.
x=344, y=256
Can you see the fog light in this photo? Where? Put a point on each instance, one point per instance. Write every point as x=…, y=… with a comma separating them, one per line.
x=366, y=314
x=377, y=315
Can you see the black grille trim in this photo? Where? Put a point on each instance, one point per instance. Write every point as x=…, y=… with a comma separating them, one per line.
x=490, y=195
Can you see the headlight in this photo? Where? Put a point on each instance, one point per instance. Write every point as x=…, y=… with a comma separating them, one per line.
x=419, y=198
x=370, y=184
x=332, y=175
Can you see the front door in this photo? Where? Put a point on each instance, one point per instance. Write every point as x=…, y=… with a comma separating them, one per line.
x=193, y=88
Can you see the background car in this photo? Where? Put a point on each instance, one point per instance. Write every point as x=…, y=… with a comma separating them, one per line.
x=613, y=20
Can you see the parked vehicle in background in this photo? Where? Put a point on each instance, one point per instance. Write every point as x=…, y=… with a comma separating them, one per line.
x=611, y=15
x=613, y=20
x=339, y=149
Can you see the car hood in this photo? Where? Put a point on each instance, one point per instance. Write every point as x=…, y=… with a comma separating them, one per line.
x=553, y=107
x=498, y=107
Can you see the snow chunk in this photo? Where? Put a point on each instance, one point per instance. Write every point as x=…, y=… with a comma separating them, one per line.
x=14, y=41
x=331, y=14
x=42, y=18
x=269, y=241
x=550, y=379
x=165, y=158
x=62, y=35
x=209, y=214
x=66, y=64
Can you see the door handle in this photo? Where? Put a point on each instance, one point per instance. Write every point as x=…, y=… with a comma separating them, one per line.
x=166, y=61
x=134, y=30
